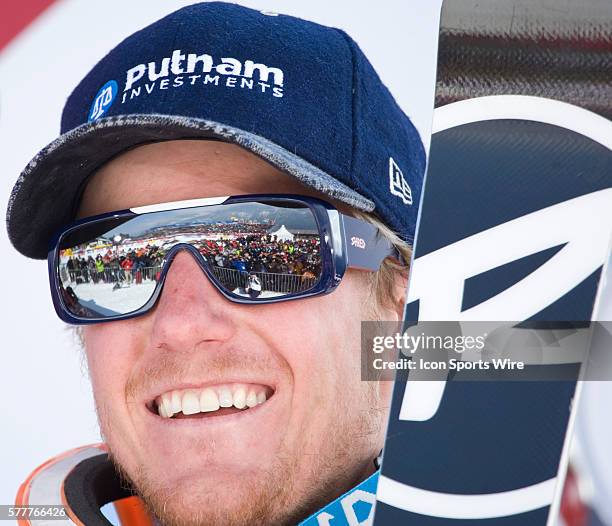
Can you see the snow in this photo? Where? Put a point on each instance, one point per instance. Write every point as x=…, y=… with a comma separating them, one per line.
x=264, y=294
x=101, y=296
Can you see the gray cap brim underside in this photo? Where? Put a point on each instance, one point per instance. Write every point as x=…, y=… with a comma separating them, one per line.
x=46, y=194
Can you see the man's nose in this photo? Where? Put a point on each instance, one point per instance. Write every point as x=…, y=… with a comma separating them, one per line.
x=190, y=309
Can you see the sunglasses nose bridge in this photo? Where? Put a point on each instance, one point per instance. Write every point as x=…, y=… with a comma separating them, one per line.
x=176, y=249
x=199, y=258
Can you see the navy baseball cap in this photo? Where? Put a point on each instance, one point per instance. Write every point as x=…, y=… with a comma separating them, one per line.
x=300, y=95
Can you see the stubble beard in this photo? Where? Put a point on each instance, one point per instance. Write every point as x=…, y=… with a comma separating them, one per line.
x=285, y=493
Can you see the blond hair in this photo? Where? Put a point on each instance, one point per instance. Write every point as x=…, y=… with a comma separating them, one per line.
x=384, y=281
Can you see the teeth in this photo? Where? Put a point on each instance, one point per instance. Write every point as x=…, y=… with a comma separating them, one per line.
x=190, y=403
x=251, y=399
x=176, y=402
x=167, y=405
x=240, y=397
x=225, y=397
x=209, y=399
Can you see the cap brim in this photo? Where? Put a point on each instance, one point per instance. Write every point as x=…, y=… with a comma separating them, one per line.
x=45, y=196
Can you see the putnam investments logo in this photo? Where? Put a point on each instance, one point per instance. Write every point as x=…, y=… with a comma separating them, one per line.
x=181, y=69
x=103, y=100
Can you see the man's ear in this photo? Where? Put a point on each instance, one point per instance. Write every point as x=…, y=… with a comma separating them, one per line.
x=399, y=289
x=400, y=298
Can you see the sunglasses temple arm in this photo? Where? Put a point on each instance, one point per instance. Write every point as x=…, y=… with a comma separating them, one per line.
x=365, y=247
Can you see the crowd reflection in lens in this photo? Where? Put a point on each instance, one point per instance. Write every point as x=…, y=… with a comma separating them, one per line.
x=250, y=259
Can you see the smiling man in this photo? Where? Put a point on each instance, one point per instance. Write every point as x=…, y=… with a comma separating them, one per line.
x=248, y=190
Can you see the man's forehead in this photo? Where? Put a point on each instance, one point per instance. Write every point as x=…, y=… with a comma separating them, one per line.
x=180, y=170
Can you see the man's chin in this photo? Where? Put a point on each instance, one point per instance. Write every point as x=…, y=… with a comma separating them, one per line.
x=211, y=502
x=213, y=496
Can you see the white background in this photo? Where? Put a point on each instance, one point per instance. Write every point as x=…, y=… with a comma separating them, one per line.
x=45, y=400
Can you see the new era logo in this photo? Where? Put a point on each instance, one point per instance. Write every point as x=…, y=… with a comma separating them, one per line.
x=397, y=184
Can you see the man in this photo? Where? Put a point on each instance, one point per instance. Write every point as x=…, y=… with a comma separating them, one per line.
x=253, y=287
x=216, y=407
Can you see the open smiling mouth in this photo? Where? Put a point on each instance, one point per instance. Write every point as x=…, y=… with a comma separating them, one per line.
x=215, y=400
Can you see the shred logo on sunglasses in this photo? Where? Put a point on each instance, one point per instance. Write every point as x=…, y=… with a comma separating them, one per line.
x=358, y=242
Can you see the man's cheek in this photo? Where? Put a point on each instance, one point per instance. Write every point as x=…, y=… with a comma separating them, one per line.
x=118, y=426
x=320, y=374
x=111, y=350
x=105, y=378
x=109, y=359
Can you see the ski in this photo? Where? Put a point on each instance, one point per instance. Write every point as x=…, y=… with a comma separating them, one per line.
x=515, y=227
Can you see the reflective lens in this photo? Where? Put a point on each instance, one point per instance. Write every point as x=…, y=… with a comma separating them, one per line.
x=252, y=250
